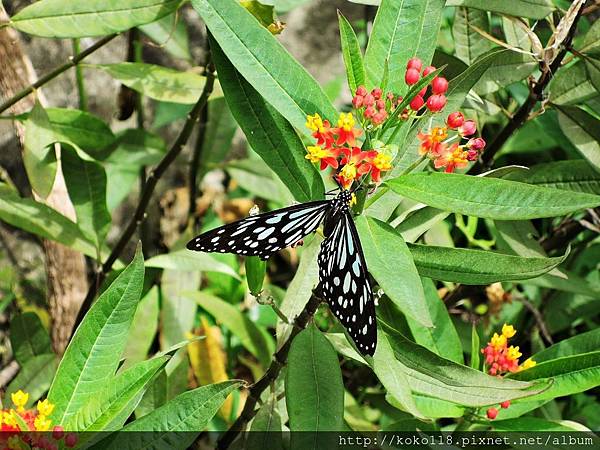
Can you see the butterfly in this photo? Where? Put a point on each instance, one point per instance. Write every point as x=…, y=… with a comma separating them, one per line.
x=343, y=276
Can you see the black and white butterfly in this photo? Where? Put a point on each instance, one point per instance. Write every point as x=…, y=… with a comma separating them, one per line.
x=343, y=277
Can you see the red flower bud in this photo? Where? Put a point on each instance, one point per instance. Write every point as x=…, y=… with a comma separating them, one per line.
x=439, y=85
x=436, y=102
x=423, y=91
x=492, y=413
x=369, y=112
x=70, y=440
x=377, y=93
x=390, y=97
x=361, y=90
x=379, y=117
x=412, y=76
x=455, y=120
x=58, y=432
x=472, y=155
x=414, y=63
x=468, y=128
x=380, y=104
x=369, y=100
x=505, y=404
x=417, y=103
x=428, y=70
x=357, y=101
x=476, y=144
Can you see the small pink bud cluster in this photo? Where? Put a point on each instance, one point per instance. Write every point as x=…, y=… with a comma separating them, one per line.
x=439, y=86
x=375, y=106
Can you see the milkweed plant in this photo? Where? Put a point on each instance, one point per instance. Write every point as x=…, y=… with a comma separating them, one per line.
x=411, y=246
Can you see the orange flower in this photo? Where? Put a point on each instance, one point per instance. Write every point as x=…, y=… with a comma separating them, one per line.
x=321, y=130
x=500, y=358
x=454, y=158
x=380, y=163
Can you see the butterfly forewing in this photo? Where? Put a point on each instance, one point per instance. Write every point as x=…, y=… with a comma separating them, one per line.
x=344, y=282
x=263, y=234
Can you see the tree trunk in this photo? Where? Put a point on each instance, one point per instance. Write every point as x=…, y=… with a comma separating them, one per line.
x=65, y=268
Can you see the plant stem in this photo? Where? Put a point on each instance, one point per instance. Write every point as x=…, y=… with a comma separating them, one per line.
x=414, y=165
x=73, y=61
x=79, y=77
x=279, y=360
x=140, y=212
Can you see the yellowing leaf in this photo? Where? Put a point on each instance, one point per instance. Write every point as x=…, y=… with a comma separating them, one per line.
x=207, y=358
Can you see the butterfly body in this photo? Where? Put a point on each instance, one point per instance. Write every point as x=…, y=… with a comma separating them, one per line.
x=343, y=276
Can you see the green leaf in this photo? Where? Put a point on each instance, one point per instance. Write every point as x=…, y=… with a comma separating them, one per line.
x=28, y=337
x=79, y=128
x=86, y=183
x=442, y=339
x=314, y=391
x=109, y=408
x=474, y=348
x=300, y=288
x=582, y=343
x=60, y=19
x=508, y=69
x=583, y=130
x=34, y=377
x=469, y=44
x=143, y=329
x=265, y=431
x=491, y=198
x=401, y=30
x=178, y=312
x=572, y=175
x=269, y=133
x=571, y=85
x=39, y=155
x=440, y=378
x=569, y=374
x=39, y=219
x=92, y=356
x=157, y=82
x=175, y=424
x=343, y=346
x=533, y=9
x=387, y=255
x=355, y=69
x=169, y=33
x=155, y=395
x=238, y=323
x=256, y=269
x=515, y=35
x=189, y=261
x=392, y=376
x=220, y=130
x=591, y=41
x=255, y=176
x=467, y=266
x=264, y=62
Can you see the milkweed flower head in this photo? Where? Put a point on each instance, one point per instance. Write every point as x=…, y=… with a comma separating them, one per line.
x=20, y=427
x=337, y=148
x=449, y=145
x=375, y=112
x=500, y=358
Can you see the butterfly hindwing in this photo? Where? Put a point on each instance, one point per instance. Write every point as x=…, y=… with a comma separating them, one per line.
x=344, y=282
x=263, y=234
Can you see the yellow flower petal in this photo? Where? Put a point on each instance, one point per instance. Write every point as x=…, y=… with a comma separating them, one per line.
x=45, y=408
x=508, y=331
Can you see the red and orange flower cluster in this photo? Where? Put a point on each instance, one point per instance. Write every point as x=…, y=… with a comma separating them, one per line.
x=18, y=426
x=438, y=145
x=502, y=359
x=337, y=147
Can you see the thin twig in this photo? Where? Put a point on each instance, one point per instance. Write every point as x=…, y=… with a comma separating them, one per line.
x=140, y=212
x=279, y=360
x=73, y=61
x=539, y=319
